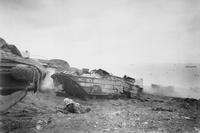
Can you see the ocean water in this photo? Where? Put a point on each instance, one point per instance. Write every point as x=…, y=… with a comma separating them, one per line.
x=178, y=75
x=182, y=80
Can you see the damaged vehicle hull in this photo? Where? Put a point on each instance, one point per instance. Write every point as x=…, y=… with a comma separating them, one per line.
x=18, y=75
x=82, y=87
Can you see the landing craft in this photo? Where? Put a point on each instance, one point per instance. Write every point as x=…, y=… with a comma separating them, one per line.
x=98, y=84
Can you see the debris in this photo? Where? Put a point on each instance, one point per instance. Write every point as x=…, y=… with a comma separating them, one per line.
x=129, y=78
x=39, y=125
x=101, y=72
x=162, y=109
x=44, y=123
x=187, y=118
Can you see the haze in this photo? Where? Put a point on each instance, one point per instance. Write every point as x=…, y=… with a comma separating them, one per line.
x=104, y=33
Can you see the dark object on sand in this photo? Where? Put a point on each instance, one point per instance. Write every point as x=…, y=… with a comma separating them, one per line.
x=73, y=107
x=76, y=108
x=17, y=76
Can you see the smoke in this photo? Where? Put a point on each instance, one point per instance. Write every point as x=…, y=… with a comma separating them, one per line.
x=47, y=83
x=161, y=90
x=157, y=89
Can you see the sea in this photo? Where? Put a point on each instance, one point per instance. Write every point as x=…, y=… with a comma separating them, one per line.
x=183, y=79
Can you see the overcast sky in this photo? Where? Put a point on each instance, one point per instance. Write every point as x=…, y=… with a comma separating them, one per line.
x=96, y=33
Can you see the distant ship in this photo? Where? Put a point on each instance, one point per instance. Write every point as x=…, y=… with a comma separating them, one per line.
x=190, y=66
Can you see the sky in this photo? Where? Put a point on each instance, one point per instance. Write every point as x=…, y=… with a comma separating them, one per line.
x=104, y=33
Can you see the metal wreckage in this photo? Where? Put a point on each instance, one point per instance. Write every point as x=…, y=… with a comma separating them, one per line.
x=97, y=84
x=19, y=75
